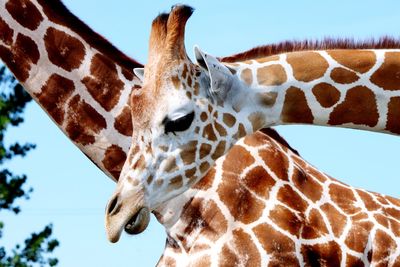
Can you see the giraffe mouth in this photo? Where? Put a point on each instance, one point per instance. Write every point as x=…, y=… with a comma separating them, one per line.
x=139, y=222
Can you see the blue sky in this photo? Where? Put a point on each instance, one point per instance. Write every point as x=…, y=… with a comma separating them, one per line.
x=71, y=192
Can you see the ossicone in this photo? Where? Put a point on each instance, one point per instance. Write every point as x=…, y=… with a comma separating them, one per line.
x=168, y=33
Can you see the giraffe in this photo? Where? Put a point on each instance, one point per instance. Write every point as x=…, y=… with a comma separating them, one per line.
x=79, y=78
x=272, y=208
x=14, y=20
x=191, y=115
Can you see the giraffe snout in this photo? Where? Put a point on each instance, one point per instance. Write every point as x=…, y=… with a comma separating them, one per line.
x=126, y=212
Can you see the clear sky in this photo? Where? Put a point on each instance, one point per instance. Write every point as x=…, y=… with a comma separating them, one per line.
x=71, y=192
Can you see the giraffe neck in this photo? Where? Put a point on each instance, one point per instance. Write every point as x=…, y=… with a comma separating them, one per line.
x=346, y=88
x=80, y=79
x=283, y=211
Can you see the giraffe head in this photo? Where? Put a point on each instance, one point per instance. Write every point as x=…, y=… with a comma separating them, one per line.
x=185, y=118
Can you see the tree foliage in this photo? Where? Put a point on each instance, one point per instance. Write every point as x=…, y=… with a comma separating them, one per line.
x=37, y=248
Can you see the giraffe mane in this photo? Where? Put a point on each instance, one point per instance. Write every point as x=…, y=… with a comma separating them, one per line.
x=65, y=17
x=384, y=42
x=278, y=138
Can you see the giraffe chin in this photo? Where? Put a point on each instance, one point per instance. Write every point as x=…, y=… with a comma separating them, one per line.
x=139, y=222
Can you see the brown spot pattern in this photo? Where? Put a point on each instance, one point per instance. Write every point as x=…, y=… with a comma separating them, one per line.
x=286, y=220
x=394, y=201
x=326, y=94
x=219, y=150
x=204, y=166
x=336, y=220
x=205, y=150
x=353, y=261
x=327, y=254
x=295, y=107
x=83, y=121
x=63, y=50
x=241, y=132
x=357, y=237
x=267, y=59
x=257, y=120
x=123, y=122
x=205, y=182
x=291, y=198
x=114, y=159
x=393, y=116
x=167, y=261
x=202, y=262
x=205, y=215
x=140, y=164
x=344, y=198
x=276, y=161
x=208, y=132
x=384, y=245
x=229, y=119
x=381, y=199
x=189, y=173
x=170, y=165
x=382, y=220
x=203, y=116
x=280, y=247
x=25, y=13
x=369, y=202
x=256, y=139
x=6, y=33
x=314, y=226
x=357, y=60
x=388, y=75
x=395, y=213
x=245, y=248
x=175, y=183
x=267, y=98
x=56, y=12
x=247, y=76
x=271, y=75
x=54, y=95
x=176, y=81
x=104, y=85
x=307, y=66
x=220, y=129
x=20, y=56
x=343, y=76
x=259, y=181
x=242, y=205
x=228, y=258
x=188, y=153
x=358, y=107
x=232, y=165
x=308, y=186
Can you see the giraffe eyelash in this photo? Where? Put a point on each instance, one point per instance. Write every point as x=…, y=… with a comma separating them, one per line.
x=178, y=125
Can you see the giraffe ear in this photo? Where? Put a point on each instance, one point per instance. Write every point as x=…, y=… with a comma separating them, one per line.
x=139, y=72
x=220, y=77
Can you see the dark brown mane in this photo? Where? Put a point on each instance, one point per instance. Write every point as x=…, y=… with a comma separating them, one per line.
x=327, y=43
x=62, y=15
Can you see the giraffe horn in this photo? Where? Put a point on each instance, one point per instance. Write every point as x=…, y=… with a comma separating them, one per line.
x=175, y=40
x=158, y=34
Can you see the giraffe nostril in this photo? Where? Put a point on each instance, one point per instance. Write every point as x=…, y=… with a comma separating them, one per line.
x=112, y=205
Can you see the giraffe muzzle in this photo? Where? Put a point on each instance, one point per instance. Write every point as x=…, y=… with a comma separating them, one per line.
x=126, y=212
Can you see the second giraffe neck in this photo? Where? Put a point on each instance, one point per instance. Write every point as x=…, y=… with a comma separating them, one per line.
x=346, y=88
x=80, y=79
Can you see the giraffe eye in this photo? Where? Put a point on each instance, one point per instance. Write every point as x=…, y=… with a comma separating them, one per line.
x=178, y=125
